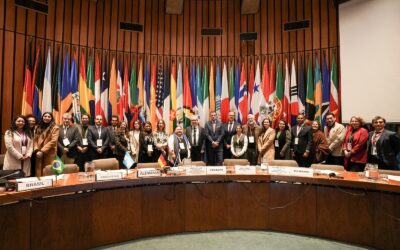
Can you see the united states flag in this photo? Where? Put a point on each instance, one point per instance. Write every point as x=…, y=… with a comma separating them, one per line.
x=160, y=92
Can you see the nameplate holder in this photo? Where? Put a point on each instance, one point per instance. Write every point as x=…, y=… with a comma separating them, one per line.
x=245, y=170
x=148, y=172
x=293, y=171
x=24, y=186
x=278, y=170
x=216, y=170
x=108, y=176
x=196, y=170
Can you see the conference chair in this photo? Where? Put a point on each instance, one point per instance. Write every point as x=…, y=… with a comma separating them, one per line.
x=106, y=164
x=233, y=162
x=2, y=161
x=198, y=163
x=68, y=169
x=148, y=165
x=338, y=168
x=283, y=163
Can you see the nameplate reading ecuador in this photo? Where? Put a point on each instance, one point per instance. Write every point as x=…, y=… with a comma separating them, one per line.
x=245, y=169
x=196, y=170
x=216, y=170
x=24, y=186
x=148, y=172
x=108, y=176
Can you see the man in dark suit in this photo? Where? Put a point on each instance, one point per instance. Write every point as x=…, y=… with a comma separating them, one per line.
x=67, y=140
x=229, y=131
x=301, y=142
x=214, y=142
x=383, y=145
x=98, y=139
x=83, y=154
x=112, y=131
x=196, y=136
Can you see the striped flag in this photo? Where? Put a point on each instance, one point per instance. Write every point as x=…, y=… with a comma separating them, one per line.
x=90, y=87
x=286, y=98
x=38, y=87
x=153, y=85
x=256, y=100
x=83, y=91
x=172, y=116
x=97, y=86
x=27, y=96
x=124, y=101
x=224, y=95
x=212, y=87
x=55, y=86
x=74, y=90
x=243, y=102
x=310, y=108
x=279, y=94
x=205, y=97
x=146, y=93
x=218, y=90
x=160, y=92
x=187, y=97
x=232, y=103
x=193, y=88
x=294, y=104
x=140, y=86
x=112, y=92
x=65, y=88
x=167, y=99
x=46, y=95
x=302, y=90
x=199, y=87
x=334, y=98
x=237, y=89
x=325, y=90
x=318, y=91
x=179, y=96
x=120, y=93
x=250, y=87
x=104, y=111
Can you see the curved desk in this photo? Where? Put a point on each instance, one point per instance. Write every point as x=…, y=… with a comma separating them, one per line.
x=81, y=215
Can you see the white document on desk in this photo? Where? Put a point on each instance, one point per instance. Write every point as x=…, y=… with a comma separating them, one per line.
x=393, y=177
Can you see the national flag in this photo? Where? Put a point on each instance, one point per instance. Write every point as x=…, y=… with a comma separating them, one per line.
x=46, y=95
x=167, y=99
x=124, y=101
x=172, y=115
x=237, y=89
x=310, y=108
x=75, y=91
x=212, y=87
x=243, y=102
x=257, y=95
x=83, y=91
x=120, y=93
x=38, y=79
x=334, y=96
x=97, y=86
x=160, y=91
x=325, y=90
x=265, y=90
x=65, y=88
x=104, y=111
x=224, y=95
x=272, y=85
x=133, y=88
x=179, y=96
x=55, y=86
x=27, y=96
x=91, y=87
x=153, y=85
x=57, y=166
x=294, y=104
x=187, y=98
x=318, y=91
x=232, y=103
x=162, y=162
x=302, y=90
x=199, y=86
x=279, y=94
x=140, y=86
x=205, y=96
x=218, y=91
x=112, y=92
x=250, y=87
x=286, y=98
x=193, y=88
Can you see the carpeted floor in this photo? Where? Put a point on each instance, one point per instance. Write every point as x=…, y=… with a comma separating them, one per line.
x=232, y=240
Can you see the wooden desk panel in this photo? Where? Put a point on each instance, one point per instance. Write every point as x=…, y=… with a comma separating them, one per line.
x=14, y=226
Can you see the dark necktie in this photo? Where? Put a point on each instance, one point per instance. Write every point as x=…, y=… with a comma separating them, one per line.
x=194, y=137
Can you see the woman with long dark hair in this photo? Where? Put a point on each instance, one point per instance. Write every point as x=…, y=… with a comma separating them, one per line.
x=134, y=139
x=146, y=142
x=45, y=142
x=283, y=138
x=19, y=146
x=160, y=139
x=265, y=142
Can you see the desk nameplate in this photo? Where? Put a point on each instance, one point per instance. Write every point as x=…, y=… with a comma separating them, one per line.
x=293, y=171
x=108, y=176
x=216, y=170
x=148, y=172
x=24, y=186
x=196, y=170
x=250, y=170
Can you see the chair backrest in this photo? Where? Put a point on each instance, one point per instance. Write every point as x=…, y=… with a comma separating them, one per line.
x=106, y=164
x=147, y=165
x=389, y=172
x=233, y=162
x=2, y=156
x=328, y=167
x=68, y=169
x=284, y=163
x=198, y=163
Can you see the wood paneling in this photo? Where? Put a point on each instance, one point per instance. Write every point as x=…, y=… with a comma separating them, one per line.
x=95, y=24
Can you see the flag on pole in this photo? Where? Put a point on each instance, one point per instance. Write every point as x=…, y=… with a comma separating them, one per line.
x=140, y=86
x=65, y=88
x=294, y=104
x=250, y=87
x=286, y=98
x=224, y=95
x=46, y=95
x=193, y=89
x=124, y=102
x=187, y=98
x=325, y=90
x=133, y=88
x=91, y=87
x=75, y=91
x=104, y=111
x=265, y=90
x=310, y=108
x=279, y=95
x=334, y=97
x=218, y=90
x=120, y=93
x=257, y=97
x=112, y=92
x=199, y=85
x=302, y=90
x=38, y=79
x=83, y=91
x=172, y=115
x=243, y=102
x=179, y=96
x=204, y=97
x=237, y=89
x=146, y=93
x=97, y=86
x=167, y=99
x=232, y=103
x=160, y=91
x=318, y=91
x=212, y=87
x=153, y=86
x=55, y=86
x=27, y=96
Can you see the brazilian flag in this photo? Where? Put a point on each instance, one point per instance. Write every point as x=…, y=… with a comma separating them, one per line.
x=57, y=166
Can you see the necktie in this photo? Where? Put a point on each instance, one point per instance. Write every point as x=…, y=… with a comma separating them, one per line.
x=194, y=137
x=213, y=127
x=230, y=126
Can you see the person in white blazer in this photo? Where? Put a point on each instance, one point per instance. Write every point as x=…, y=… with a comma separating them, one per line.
x=335, y=133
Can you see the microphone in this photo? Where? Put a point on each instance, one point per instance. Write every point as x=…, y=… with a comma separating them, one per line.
x=8, y=175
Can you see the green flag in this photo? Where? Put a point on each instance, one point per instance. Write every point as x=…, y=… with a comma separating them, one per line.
x=279, y=92
x=205, y=96
x=310, y=108
x=90, y=87
x=318, y=91
x=57, y=166
x=133, y=93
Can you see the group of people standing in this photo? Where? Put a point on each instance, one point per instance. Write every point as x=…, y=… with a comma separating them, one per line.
x=32, y=144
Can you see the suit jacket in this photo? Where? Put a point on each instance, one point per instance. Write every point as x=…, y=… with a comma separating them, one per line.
x=335, y=139
x=304, y=141
x=228, y=135
x=257, y=132
x=73, y=137
x=93, y=135
x=387, y=147
x=216, y=136
x=202, y=136
x=358, y=146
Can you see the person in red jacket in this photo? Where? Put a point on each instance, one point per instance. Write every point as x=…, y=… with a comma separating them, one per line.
x=355, y=145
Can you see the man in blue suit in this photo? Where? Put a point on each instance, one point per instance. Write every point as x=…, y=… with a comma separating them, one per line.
x=214, y=140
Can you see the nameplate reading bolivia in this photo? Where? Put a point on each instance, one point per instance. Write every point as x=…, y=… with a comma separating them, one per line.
x=216, y=170
x=107, y=176
x=148, y=172
x=245, y=169
x=24, y=186
x=196, y=170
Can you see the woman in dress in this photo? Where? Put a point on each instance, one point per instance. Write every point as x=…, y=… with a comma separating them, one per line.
x=146, y=141
x=320, y=147
x=134, y=140
x=239, y=144
x=19, y=146
x=355, y=145
x=265, y=142
x=45, y=142
x=283, y=138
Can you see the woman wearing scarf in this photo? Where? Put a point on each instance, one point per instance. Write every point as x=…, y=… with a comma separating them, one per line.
x=179, y=147
x=320, y=147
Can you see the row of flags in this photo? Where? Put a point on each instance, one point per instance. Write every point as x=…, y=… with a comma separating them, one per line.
x=174, y=91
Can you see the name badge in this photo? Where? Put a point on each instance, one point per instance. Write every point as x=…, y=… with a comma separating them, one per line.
x=374, y=152
x=181, y=145
x=66, y=142
x=150, y=148
x=23, y=150
x=23, y=186
x=296, y=140
x=84, y=142
x=349, y=147
x=99, y=142
x=277, y=143
x=251, y=139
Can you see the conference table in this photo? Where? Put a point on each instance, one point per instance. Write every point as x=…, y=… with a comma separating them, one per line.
x=76, y=214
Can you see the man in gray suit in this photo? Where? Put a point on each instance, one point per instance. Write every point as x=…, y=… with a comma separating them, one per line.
x=301, y=142
x=214, y=143
x=196, y=136
x=383, y=145
x=67, y=140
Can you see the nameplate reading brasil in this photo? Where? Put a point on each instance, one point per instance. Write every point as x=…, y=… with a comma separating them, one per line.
x=24, y=186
